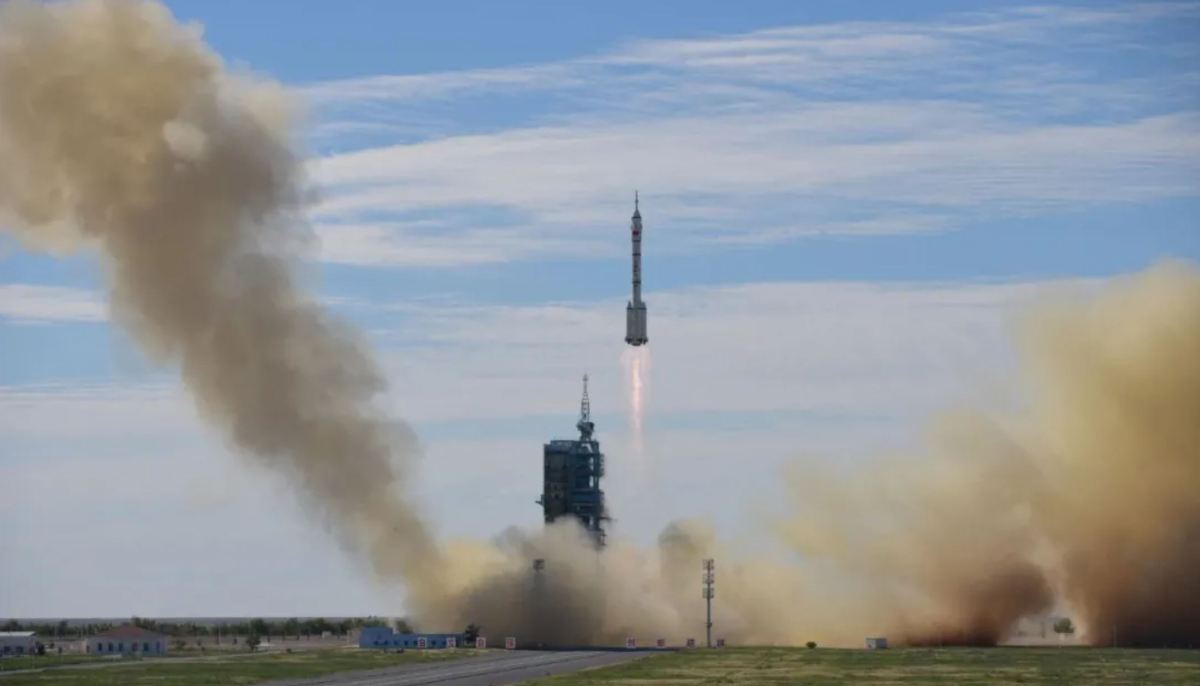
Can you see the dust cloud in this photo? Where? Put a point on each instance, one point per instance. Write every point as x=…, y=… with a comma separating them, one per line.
x=1084, y=501
x=584, y=597
x=1081, y=501
x=120, y=130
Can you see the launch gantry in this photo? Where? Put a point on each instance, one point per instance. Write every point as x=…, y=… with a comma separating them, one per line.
x=572, y=470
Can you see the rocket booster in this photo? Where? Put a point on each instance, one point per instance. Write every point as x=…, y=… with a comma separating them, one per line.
x=635, y=311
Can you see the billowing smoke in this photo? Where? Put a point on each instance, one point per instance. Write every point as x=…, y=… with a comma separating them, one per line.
x=120, y=130
x=1082, y=501
x=582, y=596
x=1117, y=440
x=1087, y=496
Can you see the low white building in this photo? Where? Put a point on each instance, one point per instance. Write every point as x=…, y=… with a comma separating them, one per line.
x=17, y=643
x=127, y=639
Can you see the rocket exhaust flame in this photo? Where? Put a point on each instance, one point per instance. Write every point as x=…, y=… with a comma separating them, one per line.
x=636, y=363
x=119, y=129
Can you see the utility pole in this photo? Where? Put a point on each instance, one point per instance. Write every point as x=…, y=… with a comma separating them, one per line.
x=709, y=580
x=539, y=567
x=539, y=580
x=539, y=595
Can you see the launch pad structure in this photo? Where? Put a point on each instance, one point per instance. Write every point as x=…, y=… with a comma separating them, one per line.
x=572, y=470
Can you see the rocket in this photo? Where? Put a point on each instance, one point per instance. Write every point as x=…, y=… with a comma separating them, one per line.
x=635, y=311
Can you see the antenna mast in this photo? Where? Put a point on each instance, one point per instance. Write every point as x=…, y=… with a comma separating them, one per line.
x=585, y=405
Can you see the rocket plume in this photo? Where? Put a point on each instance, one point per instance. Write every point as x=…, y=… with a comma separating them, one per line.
x=636, y=364
x=119, y=129
x=1083, y=502
x=1088, y=497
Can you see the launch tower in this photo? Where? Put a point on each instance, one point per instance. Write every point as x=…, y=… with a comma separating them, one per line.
x=571, y=476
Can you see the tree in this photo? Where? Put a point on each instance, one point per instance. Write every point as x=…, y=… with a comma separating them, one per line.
x=470, y=634
x=292, y=627
x=316, y=626
x=1063, y=625
x=252, y=642
x=259, y=627
x=811, y=644
x=147, y=624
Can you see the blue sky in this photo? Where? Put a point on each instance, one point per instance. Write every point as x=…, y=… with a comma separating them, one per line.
x=846, y=204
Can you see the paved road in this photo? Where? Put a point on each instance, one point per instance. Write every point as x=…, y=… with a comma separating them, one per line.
x=103, y=663
x=493, y=669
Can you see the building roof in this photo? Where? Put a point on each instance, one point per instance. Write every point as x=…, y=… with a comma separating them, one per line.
x=129, y=631
x=17, y=634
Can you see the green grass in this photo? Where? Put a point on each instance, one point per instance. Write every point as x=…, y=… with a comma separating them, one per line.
x=233, y=669
x=8, y=664
x=743, y=666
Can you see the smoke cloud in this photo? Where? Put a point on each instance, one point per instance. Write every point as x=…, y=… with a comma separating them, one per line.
x=1117, y=437
x=1085, y=498
x=583, y=596
x=1081, y=501
x=120, y=130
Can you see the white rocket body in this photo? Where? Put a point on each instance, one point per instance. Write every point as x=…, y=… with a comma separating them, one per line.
x=635, y=311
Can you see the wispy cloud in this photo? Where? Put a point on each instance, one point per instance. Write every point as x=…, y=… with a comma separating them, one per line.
x=465, y=362
x=744, y=378
x=436, y=85
x=853, y=58
x=868, y=349
x=763, y=137
x=35, y=304
x=439, y=245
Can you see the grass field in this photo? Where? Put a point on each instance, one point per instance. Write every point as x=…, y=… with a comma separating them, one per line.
x=746, y=666
x=8, y=664
x=227, y=669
